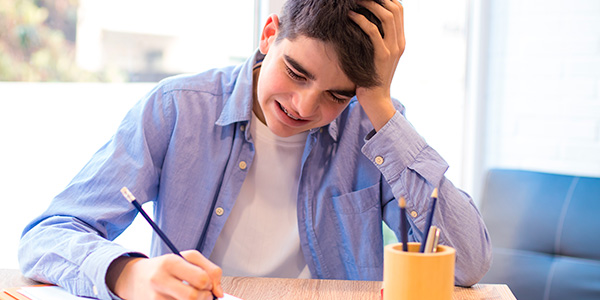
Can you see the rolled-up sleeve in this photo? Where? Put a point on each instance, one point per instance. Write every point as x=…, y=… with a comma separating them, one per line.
x=412, y=170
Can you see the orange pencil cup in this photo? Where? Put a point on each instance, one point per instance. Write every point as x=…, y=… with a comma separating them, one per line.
x=418, y=276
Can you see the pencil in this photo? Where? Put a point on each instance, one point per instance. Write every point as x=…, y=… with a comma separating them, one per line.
x=429, y=220
x=403, y=225
x=129, y=196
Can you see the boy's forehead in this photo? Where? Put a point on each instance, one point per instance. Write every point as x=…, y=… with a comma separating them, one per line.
x=313, y=55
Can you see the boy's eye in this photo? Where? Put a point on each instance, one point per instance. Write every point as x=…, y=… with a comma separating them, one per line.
x=337, y=99
x=293, y=74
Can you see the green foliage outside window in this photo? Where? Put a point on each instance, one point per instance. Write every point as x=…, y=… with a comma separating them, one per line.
x=37, y=42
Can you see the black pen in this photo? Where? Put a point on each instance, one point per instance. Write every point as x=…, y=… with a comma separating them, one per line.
x=129, y=196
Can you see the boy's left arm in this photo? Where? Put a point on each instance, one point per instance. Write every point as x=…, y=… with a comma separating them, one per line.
x=412, y=168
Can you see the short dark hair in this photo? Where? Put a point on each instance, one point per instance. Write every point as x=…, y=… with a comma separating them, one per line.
x=328, y=21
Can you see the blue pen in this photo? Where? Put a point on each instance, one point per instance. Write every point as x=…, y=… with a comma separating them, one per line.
x=129, y=196
x=429, y=220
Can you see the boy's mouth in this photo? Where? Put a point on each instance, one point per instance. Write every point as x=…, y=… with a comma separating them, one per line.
x=288, y=114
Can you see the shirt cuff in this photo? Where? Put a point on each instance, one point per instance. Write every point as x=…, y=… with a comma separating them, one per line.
x=394, y=147
x=95, y=268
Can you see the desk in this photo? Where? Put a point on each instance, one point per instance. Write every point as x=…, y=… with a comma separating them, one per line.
x=249, y=288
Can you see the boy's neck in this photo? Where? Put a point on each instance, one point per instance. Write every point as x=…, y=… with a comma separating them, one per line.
x=255, y=105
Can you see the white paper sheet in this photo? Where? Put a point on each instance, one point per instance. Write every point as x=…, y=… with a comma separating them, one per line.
x=47, y=293
x=230, y=297
x=58, y=293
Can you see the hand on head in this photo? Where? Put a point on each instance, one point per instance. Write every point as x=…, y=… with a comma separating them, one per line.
x=376, y=100
x=165, y=277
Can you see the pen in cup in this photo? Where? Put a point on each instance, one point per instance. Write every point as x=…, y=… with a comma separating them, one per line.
x=129, y=196
x=429, y=220
x=436, y=239
x=432, y=239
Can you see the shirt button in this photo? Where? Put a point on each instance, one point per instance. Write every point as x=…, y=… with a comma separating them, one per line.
x=243, y=165
x=413, y=214
x=95, y=290
x=242, y=127
x=378, y=160
x=219, y=211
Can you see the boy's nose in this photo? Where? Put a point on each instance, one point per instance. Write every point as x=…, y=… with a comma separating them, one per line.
x=307, y=103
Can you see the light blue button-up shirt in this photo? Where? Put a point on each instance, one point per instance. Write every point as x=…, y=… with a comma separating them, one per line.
x=181, y=146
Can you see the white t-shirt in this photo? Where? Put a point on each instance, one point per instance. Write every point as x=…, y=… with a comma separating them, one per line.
x=260, y=237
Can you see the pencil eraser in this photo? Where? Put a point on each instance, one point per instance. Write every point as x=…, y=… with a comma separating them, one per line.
x=402, y=202
x=127, y=194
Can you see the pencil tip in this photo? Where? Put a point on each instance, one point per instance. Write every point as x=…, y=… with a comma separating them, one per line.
x=435, y=193
x=402, y=202
x=127, y=194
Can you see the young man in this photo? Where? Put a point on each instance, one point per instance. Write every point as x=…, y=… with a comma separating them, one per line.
x=284, y=166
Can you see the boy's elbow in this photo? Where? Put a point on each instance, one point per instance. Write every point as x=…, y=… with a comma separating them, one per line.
x=470, y=269
x=27, y=254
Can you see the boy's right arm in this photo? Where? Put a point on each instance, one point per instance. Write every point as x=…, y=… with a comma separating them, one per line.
x=70, y=244
x=65, y=251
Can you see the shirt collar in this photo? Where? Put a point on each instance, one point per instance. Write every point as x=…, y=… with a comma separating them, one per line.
x=238, y=106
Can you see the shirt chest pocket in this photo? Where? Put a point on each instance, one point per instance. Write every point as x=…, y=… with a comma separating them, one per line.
x=358, y=221
x=357, y=202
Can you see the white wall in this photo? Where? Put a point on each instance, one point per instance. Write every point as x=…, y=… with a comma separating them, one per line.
x=543, y=86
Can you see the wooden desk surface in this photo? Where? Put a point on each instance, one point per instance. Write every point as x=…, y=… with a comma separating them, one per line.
x=300, y=289
x=249, y=288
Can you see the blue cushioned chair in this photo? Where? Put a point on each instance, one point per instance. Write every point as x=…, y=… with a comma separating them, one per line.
x=545, y=230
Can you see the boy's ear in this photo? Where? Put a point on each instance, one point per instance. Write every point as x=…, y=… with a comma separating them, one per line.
x=269, y=34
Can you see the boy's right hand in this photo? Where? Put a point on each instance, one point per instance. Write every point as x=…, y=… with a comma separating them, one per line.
x=165, y=277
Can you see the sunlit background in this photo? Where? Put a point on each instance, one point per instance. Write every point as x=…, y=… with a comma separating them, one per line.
x=488, y=83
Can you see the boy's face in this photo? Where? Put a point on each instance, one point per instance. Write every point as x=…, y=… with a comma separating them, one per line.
x=300, y=85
